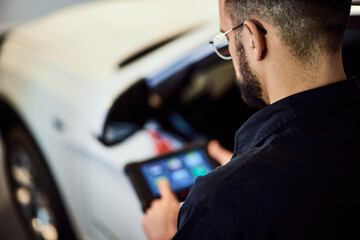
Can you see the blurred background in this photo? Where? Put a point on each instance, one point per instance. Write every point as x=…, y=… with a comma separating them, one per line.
x=99, y=47
x=15, y=11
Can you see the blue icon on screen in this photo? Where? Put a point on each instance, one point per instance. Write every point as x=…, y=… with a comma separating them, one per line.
x=174, y=164
x=181, y=178
x=193, y=159
x=180, y=175
x=155, y=169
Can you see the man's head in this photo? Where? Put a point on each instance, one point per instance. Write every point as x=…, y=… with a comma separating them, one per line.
x=307, y=29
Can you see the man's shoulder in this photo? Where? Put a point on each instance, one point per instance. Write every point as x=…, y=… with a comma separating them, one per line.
x=224, y=182
x=241, y=192
x=287, y=177
x=286, y=161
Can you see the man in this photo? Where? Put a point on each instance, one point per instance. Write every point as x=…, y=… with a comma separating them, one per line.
x=295, y=170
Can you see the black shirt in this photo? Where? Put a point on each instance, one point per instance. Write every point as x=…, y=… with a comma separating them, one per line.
x=295, y=173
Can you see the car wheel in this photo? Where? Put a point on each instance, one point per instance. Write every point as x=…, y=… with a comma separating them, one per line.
x=32, y=188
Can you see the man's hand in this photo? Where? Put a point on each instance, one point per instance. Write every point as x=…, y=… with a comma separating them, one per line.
x=160, y=219
x=217, y=152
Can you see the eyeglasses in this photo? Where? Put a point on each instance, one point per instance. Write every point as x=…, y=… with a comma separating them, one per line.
x=221, y=43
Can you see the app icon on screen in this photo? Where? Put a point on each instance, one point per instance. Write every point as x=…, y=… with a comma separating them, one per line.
x=180, y=175
x=158, y=179
x=155, y=169
x=199, y=171
x=174, y=164
x=181, y=178
x=193, y=159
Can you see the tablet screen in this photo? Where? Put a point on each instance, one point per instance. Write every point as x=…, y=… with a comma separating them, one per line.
x=180, y=170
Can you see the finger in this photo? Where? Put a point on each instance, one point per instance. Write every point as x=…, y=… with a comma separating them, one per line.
x=217, y=152
x=144, y=221
x=165, y=189
x=148, y=211
x=153, y=204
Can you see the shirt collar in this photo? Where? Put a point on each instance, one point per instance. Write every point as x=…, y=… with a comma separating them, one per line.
x=277, y=115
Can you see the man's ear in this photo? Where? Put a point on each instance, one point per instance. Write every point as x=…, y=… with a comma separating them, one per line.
x=256, y=39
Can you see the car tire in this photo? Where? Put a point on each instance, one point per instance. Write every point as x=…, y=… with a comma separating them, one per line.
x=32, y=188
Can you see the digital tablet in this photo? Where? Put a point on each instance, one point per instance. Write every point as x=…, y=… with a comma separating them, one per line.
x=180, y=168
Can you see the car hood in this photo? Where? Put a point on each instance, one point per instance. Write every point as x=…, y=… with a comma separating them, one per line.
x=95, y=37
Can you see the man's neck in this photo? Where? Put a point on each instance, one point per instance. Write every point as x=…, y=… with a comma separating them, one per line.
x=288, y=78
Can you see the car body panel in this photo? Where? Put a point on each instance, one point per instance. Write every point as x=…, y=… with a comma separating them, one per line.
x=61, y=74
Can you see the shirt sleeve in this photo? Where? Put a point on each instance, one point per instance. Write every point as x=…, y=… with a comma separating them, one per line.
x=194, y=223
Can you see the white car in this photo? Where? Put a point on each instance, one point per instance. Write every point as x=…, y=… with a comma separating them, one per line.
x=90, y=88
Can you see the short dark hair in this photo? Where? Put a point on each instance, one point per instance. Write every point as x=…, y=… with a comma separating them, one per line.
x=308, y=27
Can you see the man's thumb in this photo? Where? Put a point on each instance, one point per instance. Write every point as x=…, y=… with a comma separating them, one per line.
x=165, y=189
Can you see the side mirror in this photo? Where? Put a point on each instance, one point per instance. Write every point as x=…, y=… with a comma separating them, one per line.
x=127, y=115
